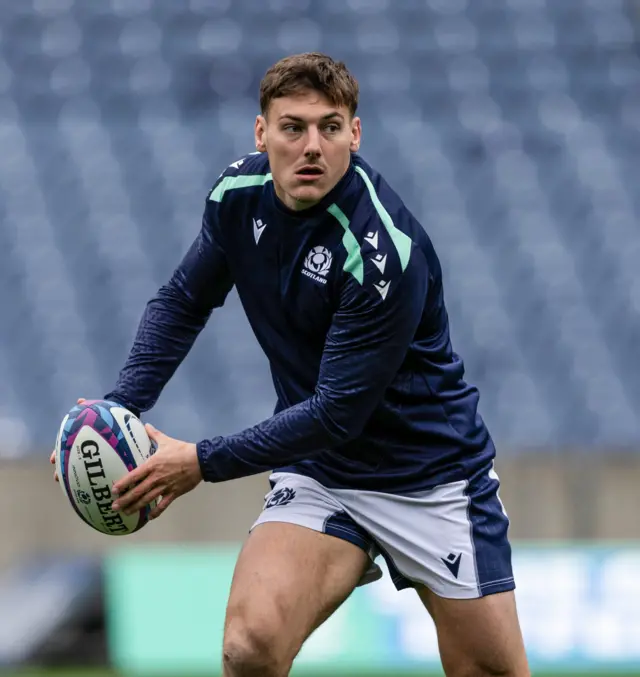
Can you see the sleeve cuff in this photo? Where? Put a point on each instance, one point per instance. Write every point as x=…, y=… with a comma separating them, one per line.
x=112, y=397
x=206, y=450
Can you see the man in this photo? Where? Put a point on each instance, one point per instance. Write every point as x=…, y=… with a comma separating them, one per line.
x=376, y=439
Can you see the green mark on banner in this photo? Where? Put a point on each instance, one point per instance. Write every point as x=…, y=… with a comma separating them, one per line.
x=167, y=608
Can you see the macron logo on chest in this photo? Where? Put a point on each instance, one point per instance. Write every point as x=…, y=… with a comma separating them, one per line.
x=258, y=229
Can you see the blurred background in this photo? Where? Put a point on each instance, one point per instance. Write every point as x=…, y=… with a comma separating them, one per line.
x=511, y=128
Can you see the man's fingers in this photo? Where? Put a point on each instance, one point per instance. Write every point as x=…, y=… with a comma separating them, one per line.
x=52, y=460
x=162, y=506
x=81, y=400
x=145, y=500
x=125, y=501
x=132, y=478
x=154, y=434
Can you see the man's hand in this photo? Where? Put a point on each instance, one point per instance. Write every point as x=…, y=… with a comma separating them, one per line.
x=172, y=471
x=52, y=458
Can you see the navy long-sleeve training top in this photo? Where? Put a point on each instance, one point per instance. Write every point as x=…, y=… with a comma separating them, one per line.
x=346, y=300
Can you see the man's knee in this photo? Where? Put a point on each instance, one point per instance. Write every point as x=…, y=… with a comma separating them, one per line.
x=488, y=668
x=251, y=649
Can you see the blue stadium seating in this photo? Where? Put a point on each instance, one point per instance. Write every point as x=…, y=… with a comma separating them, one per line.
x=511, y=129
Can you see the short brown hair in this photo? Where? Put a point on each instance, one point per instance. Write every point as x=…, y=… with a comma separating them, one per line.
x=311, y=71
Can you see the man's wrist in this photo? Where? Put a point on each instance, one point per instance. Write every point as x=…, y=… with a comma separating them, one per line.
x=194, y=461
x=205, y=450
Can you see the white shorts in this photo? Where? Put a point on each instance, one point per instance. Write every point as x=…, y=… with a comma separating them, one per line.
x=452, y=538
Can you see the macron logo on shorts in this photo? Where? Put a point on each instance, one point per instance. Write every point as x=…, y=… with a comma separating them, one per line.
x=452, y=562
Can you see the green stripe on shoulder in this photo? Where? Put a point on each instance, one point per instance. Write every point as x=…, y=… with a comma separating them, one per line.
x=353, y=264
x=242, y=181
x=401, y=241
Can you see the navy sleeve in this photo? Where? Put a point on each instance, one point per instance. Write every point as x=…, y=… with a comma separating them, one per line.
x=173, y=319
x=366, y=345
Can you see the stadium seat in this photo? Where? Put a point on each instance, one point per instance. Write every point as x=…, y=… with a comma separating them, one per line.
x=510, y=130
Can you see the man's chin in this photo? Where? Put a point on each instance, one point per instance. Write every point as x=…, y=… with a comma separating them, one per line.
x=308, y=196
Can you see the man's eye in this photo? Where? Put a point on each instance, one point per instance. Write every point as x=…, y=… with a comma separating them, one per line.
x=333, y=128
x=291, y=128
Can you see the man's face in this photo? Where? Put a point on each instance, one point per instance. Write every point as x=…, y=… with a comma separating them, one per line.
x=309, y=142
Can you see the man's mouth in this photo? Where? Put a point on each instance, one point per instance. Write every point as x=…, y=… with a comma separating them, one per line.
x=309, y=172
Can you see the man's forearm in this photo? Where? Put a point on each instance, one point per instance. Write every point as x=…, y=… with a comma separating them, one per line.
x=167, y=331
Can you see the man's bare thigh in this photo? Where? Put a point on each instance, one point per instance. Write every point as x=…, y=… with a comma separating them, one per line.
x=478, y=636
x=287, y=581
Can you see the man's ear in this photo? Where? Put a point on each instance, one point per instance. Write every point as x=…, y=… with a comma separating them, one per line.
x=356, y=134
x=260, y=132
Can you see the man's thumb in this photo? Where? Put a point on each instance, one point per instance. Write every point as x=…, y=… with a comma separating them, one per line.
x=151, y=431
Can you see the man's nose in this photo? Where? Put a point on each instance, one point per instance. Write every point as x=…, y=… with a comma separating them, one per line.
x=312, y=147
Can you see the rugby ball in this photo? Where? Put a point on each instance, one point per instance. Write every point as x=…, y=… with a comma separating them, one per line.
x=98, y=443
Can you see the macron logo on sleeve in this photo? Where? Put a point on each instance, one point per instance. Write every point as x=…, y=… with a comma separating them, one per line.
x=380, y=261
x=382, y=287
x=372, y=239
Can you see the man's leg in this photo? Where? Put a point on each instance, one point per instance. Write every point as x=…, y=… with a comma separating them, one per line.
x=450, y=542
x=478, y=637
x=288, y=580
